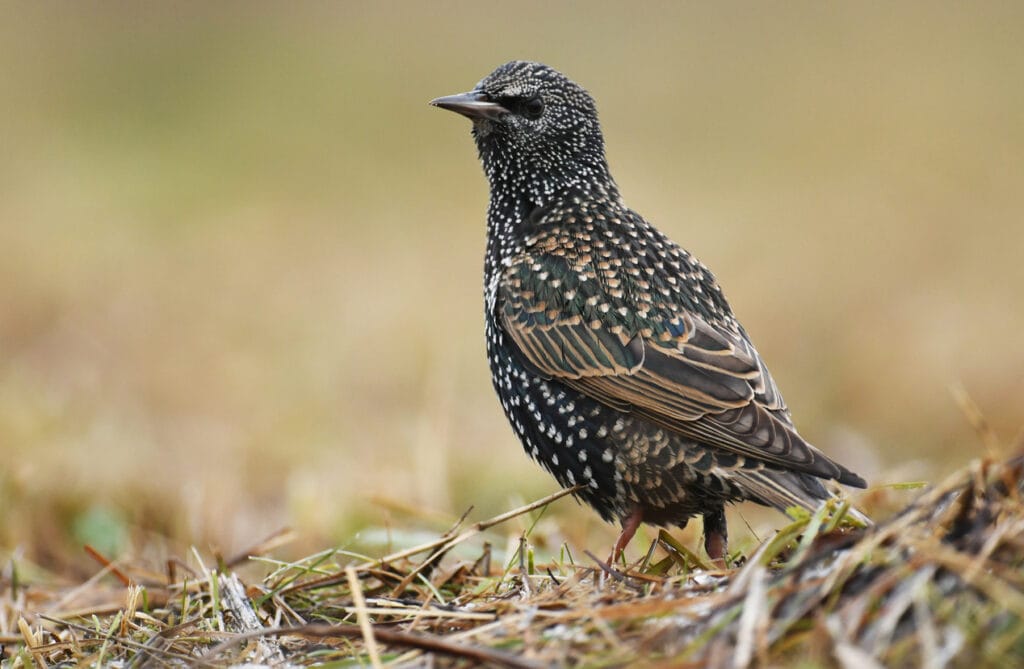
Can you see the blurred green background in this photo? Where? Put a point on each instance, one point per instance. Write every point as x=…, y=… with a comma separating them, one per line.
x=240, y=257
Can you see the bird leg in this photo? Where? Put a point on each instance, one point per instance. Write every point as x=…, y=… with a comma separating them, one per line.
x=716, y=536
x=629, y=525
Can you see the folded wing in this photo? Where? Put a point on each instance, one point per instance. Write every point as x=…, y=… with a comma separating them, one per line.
x=702, y=382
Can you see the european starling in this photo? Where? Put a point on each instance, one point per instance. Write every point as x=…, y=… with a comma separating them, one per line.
x=615, y=355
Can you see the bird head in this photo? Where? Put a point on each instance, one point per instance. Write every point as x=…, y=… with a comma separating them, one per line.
x=533, y=123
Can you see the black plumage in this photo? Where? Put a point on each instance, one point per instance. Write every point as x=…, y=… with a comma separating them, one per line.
x=615, y=355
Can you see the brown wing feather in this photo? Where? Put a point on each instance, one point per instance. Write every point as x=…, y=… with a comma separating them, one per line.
x=705, y=384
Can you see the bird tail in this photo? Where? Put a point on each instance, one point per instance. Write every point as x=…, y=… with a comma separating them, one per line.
x=785, y=489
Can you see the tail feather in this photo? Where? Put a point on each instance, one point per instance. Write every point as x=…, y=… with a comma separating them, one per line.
x=785, y=489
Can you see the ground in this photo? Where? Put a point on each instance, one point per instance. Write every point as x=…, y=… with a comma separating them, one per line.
x=939, y=583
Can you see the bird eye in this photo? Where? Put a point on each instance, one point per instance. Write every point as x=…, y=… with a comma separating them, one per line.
x=534, y=107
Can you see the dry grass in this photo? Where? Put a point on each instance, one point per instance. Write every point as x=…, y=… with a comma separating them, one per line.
x=939, y=584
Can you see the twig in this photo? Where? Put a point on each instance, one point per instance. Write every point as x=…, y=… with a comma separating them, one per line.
x=107, y=564
x=445, y=542
x=429, y=643
x=446, y=545
x=474, y=529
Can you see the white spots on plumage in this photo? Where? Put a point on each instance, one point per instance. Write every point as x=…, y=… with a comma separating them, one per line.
x=581, y=252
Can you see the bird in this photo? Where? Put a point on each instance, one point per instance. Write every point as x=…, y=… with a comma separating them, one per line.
x=613, y=350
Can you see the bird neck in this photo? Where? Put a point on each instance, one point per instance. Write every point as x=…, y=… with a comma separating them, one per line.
x=517, y=194
x=543, y=179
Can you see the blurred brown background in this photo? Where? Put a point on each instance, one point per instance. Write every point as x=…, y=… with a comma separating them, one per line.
x=240, y=257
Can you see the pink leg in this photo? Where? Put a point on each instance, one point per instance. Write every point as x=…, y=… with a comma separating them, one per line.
x=716, y=536
x=714, y=544
x=629, y=525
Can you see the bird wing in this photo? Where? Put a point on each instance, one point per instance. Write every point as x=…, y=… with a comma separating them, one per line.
x=698, y=380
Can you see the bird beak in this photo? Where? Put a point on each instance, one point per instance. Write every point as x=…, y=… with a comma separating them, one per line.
x=473, y=105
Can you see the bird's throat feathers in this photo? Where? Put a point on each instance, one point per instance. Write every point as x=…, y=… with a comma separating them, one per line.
x=541, y=171
x=522, y=183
